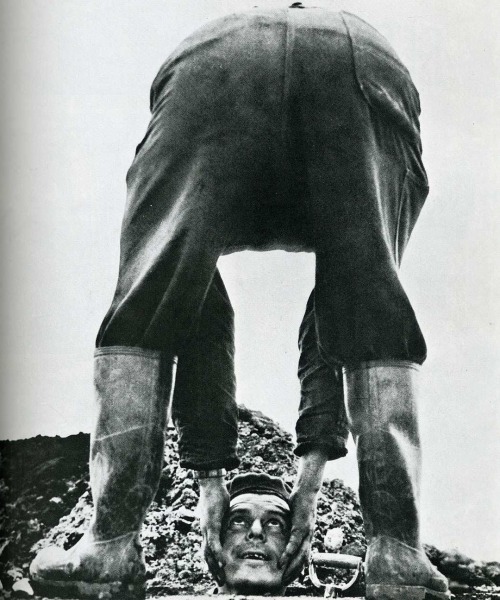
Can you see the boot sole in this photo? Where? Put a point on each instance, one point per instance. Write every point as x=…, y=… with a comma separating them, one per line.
x=86, y=589
x=408, y=592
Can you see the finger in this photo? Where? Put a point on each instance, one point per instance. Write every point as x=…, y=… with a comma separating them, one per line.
x=214, y=544
x=213, y=548
x=295, y=568
x=297, y=563
x=213, y=564
x=294, y=543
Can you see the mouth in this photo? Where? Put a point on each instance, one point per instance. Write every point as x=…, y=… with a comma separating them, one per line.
x=254, y=555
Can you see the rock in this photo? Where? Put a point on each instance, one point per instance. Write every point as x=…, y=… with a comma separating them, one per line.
x=14, y=575
x=186, y=514
x=3, y=546
x=433, y=554
x=458, y=588
x=184, y=519
x=455, y=557
x=492, y=572
x=462, y=569
x=354, y=549
x=188, y=498
x=334, y=539
x=22, y=589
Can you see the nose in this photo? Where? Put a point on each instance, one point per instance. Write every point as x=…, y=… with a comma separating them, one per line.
x=256, y=530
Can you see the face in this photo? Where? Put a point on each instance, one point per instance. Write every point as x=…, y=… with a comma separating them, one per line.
x=254, y=537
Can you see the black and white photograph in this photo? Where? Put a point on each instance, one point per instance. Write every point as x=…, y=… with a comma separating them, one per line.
x=250, y=297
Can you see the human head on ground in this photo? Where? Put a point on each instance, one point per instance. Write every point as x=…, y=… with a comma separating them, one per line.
x=254, y=535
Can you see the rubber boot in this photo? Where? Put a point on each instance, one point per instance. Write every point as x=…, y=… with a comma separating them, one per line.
x=126, y=456
x=382, y=413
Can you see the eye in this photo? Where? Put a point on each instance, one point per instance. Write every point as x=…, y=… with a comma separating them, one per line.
x=275, y=523
x=237, y=521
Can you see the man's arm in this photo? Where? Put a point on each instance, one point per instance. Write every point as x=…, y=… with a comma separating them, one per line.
x=303, y=499
x=322, y=434
x=214, y=503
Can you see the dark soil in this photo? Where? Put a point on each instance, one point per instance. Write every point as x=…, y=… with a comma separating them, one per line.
x=44, y=484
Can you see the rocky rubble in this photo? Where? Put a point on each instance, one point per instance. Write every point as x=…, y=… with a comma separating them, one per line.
x=47, y=501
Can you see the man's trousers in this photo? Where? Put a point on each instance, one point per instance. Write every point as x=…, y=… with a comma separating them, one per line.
x=293, y=129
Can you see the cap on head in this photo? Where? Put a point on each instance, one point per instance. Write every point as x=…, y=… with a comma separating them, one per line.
x=259, y=483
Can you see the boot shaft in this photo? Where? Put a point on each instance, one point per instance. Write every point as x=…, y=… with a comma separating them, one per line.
x=382, y=413
x=132, y=392
x=382, y=395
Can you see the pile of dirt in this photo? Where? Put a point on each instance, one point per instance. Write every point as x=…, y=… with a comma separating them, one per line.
x=41, y=479
x=48, y=501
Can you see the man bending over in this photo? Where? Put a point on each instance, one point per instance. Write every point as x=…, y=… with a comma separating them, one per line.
x=293, y=129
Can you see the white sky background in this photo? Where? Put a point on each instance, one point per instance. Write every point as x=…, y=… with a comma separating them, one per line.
x=75, y=80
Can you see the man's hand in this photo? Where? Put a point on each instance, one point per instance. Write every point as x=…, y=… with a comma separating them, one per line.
x=303, y=500
x=213, y=505
x=297, y=551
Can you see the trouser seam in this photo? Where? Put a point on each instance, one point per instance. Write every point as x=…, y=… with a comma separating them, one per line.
x=396, y=363
x=287, y=77
x=353, y=61
x=130, y=351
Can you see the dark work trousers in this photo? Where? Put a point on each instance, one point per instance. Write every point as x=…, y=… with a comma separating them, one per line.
x=293, y=129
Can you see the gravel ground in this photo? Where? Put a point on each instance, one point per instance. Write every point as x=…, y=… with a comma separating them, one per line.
x=45, y=484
